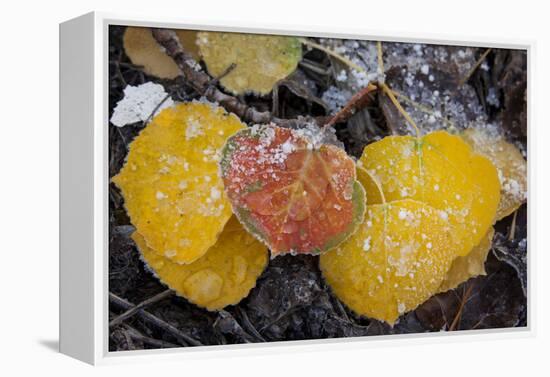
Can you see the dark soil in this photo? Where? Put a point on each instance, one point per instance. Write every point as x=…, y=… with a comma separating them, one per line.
x=291, y=300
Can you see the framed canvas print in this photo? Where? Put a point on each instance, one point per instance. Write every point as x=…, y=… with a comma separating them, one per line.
x=225, y=188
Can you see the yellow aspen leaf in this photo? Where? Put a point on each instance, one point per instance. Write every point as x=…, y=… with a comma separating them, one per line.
x=143, y=50
x=396, y=260
x=468, y=266
x=441, y=170
x=170, y=181
x=511, y=166
x=221, y=277
x=260, y=60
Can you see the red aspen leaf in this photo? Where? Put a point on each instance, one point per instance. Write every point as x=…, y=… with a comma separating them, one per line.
x=295, y=196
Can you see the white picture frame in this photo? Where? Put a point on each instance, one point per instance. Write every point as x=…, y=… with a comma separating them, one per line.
x=84, y=198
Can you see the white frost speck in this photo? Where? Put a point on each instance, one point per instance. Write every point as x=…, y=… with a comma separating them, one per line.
x=139, y=102
x=401, y=308
x=160, y=195
x=215, y=193
x=170, y=253
x=287, y=147
x=425, y=69
x=194, y=129
x=366, y=244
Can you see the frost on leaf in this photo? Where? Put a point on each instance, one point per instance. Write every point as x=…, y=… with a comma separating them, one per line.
x=142, y=49
x=139, y=102
x=260, y=60
x=408, y=255
x=511, y=166
x=221, y=277
x=294, y=196
x=442, y=171
x=170, y=181
x=468, y=266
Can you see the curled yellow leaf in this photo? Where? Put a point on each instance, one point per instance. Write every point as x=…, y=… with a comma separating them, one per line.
x=222, y=277
x=511, y=166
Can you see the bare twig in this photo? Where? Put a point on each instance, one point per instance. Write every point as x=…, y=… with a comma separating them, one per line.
x=182, y=338
x=463, y=301
x=387, y=91
x=249, y=326
x=474, y=68
x=227, y=71
x=328, y=51
x=357, y=102
x=130, y=312
x=136, y=335
x=157, y=108
x=201, y=82
x=380, y=58
x=512, y=233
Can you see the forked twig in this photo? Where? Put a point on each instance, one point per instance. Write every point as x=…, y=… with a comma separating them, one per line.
x=201, y=82
x=183, y=338
x=130, y=312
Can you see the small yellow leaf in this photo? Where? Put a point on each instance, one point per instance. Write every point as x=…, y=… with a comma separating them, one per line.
x=442, y=171
x=170, y=181
x=260, y=60
x=511, y=166
x=142, y=49
x=396, y=260
x=469, y=266
x=223, y=276
x=373, y=189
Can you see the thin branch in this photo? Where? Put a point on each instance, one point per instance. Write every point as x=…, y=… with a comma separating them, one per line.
x=512, y=234
x=157, y=108
x=227, y=71
x=420, y=107
x=458, y=315
x=380, y=58
x=474, y=68
x=183, y=338
x=357, y=102
x=328, y=51
x=137, y=335
x=130, y=312
x=201, y=82
x=386, y=89
x=250, y=327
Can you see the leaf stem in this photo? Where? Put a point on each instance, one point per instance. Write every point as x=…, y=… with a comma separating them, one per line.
x=328, y=51
x=475, y=67
x=380, y=58
x=386, y=89
x=380, y=84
